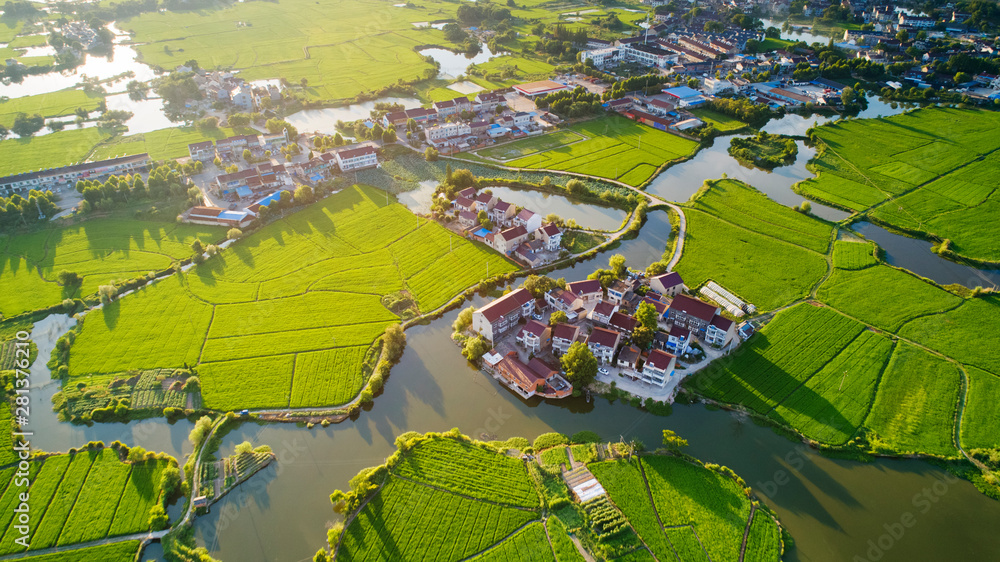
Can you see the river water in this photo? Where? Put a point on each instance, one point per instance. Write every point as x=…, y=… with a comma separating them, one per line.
x=836, y=510
x=454, y=64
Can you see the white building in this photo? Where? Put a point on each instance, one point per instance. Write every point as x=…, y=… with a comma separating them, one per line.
x=447, y=131
x=357, y=158
x=601, y=57
x=659, y=367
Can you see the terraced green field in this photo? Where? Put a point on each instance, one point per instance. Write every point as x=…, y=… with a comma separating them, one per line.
x=928, y=171
x=853, y=255
x=99, y=250
x=281, y=319
x=760, y=250
x=87, y=496
x=617, y=148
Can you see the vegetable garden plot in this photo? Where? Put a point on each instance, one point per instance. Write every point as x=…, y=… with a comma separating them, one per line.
x=764, y=540
x=685, y=542
x=332, y=376
x=562, y=545
x=624, y=484
x=471, y=470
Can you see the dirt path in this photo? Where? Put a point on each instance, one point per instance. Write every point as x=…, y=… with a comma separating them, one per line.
x=746, y=532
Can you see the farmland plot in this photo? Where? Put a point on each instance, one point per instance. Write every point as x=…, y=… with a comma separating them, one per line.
x=853, y=255
x=124, y=551
x=714, y=505
x=928, y=171
x=852, y=292
x=763, y=542
x=470, y=470
x=981, y=417
x=529, y=544
x=625, y=486
x=915, y=406
x=408, y=521
x=282, y=318
x=969, y=333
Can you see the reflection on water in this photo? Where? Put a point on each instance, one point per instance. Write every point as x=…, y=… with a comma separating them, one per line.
x=916, y=255
x=122, y=59
x=325, y=120
x=453, y=64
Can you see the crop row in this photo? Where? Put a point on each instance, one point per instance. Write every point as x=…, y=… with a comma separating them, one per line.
x=685, y=543
x=764, y=539
x=528, y=545
x=405, y=517
x=623, y=482
x=853, y=255
x=471, y=470
x=562, y=546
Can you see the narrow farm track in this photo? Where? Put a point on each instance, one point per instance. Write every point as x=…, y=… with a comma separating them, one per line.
x=746, y=532
x=499, y=542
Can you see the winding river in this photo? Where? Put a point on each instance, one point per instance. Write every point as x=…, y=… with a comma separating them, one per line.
x=836, y=510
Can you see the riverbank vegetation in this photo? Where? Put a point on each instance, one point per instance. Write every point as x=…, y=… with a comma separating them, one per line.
x=282, y=304
x=506, y=501
x=926, y=172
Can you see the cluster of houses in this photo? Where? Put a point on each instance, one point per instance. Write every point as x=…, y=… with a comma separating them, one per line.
x=54, y=178
x=462, y=124
x=217, y=216
x=347, y=159
x=518, y=233
x=231, y=149
x=660, y=48
x=228, y=88
x=603, y=320
x=81, y=32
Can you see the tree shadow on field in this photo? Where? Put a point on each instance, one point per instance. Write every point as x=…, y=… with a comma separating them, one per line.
x=111, y=312
x=388, y=549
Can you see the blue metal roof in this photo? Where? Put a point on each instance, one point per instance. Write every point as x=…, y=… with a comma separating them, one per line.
x=232, y=215
x=244, y=191
x=682, y=92
x=270, y=198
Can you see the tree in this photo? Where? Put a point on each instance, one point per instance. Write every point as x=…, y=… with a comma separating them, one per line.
x=772, y=33
x=136, y=454
x=234, y=234
x=244, y=448
x=304, y=194
x=617, y=265
x=202, y=427
x=646, y=315
x=903, y=36
x=962, y=78
x=576, y=187
x=394, y=340
x=673, y=441
x=538, y=285
x=68, y=278
x=25, y=126
x=389, y=136
x=558, y=317
x=656, y=268
x=475, y=348
x=643, y=336
x=170, y=480
x=107, y=292
x=431, y=154
x=580, y=364
x=464, y=319
x=158, y=518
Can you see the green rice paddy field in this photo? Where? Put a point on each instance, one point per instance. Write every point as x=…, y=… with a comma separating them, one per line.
x=431, y=484
x=54, y=104
x=83, y=497
x=616, y=148
x=928, y=171
x=284, y=317
x=764, y=252
x=100, y=251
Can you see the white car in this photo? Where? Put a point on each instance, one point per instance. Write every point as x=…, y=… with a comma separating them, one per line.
x=604, y=371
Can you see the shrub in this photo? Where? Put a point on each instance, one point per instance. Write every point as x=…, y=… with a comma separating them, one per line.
x=547, y=440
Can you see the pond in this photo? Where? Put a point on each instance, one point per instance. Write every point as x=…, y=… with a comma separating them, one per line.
x=325, y=120
x=916, y=255
x=454, y=64
x=799, y=33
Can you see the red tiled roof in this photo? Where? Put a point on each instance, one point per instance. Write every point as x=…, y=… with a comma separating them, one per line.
x=541, y=368
x=534, y=327
x=659, y=306
x=670, y=279
x=694, y=307
x=584, y=287
x=622, y=321
x=205, y=211
x=463, y=202
x=607, y=338
x=505, y=304
x=513, y=233
x=604, y=308
x=354, y=153
x=566, y=331
x=659, y=359
x=722, y=323
x=679, y=332
x=484, y=197
x=550, y=230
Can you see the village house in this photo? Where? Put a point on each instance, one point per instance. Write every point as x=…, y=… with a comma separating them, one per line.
x=678, y=340
x=622, y=322
x=720, y=331
x=204, y=151
x=602, y=312
x=628, y=358
x=619, y=289
x=534, y=336
x=589, y=291
x=485, y=202
x=464, y=204
x=503, y=314
x=566, y=301
x=528, y=254
x=603, y=344
x=357, y=158
x=531, y=221
x=659, y=367
x=660, y=306
x=669, y=284
x=563, y=336
x=488, y=101
x=47, y=179
x=691, y=313
x=468, y=193
x=535, y=378
x=503, y=213
x=447, y=131
x=217, y=216
x=467, y=218
x=551, y=236
x=507, y=240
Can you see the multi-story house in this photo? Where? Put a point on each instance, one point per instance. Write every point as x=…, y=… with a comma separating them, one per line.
x=563, y=336
x=589, y=291
x=534, y=336
x=603, y=344
x=691, y=313
x=503, y=314
x=659, y=367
